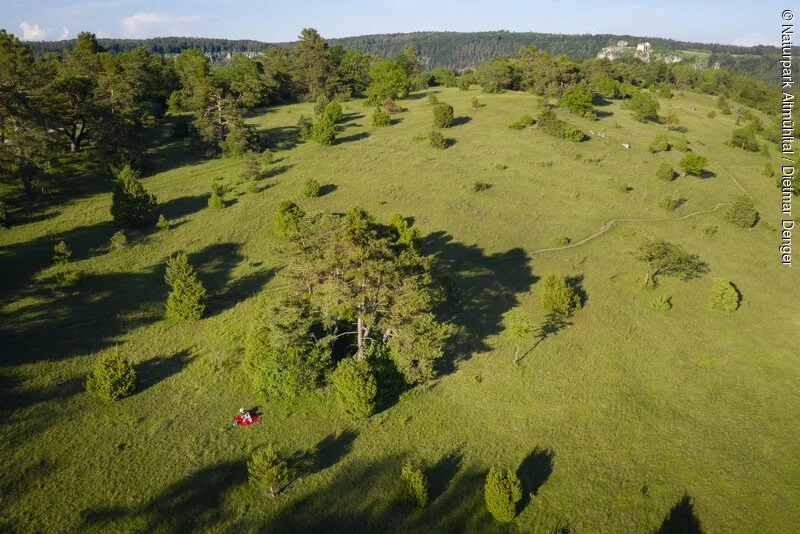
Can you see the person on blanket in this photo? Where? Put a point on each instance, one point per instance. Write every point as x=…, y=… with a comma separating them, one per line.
x=246, y=417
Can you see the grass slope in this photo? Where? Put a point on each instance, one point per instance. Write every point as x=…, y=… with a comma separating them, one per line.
x=628, y=420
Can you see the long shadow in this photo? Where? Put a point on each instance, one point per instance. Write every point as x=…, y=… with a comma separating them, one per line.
x=533, y=472
x=158, y=369
x=168, y=151
x=576, y=284
x=182, y=206
x=361, y=500
x=275, y=171
x=458, y=121
x=552, y=325
x=191, y=505
x=351, y=138
x=282, y=137
x=214, y=265
x=481, y=288
x=328, y=452
x=327, y=189
x=681, y=519
x=442, y=473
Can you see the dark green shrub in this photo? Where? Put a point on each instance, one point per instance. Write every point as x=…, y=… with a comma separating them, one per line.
x=304, y=128
x=118, y=241
x=311, y=188
x=550, y=124
x=131, y=204
x=680, y=143
x=665, y=172
x=321, y=103
x=660, y=143
x=442, y=115
x=381, y=118
x=522, y=122
x=112, y=378
x=479, y=186
x=162, y=224
x=324, y=130
x=252, y=166
x=415, y=484
x=573, y=133
x=287, y=218
x=558, y=297
x=267, y=471
x=693, y=163
x=745, y=138
x=432, y=100
x=355, y=388
x=334, y=111
x=475, y=103
x=722, y=104
x=241, y=139
x=724, y=296
x=62, y=253
x=561, y=241
x=436, y=139
x=712, y=114
x=742, y=212
x=643, y=105
x=502, y=492
x=187, y=295
x=578, y=99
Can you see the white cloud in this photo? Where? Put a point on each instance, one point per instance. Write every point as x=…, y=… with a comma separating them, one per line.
x=158, y=24
x=64, y=34
x=32, y=32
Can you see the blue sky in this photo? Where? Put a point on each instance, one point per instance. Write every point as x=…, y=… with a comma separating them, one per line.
x=732, y=22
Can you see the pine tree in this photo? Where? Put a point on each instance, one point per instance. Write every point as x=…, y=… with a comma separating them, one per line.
x=355, y=387
x=415, y=484
x=502, y=492
x=186, y=300
x=267, y=471
x=131, y=204
x=62, y=253
x=112, y=378
x=558, y=297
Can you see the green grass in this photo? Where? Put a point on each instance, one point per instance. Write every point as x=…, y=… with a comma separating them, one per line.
x=613, y=419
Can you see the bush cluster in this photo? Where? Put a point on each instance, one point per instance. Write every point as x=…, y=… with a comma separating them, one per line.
x=742, y=212
x=558, y=297
x=502, y=492
x=415, y=484
x=724, y=296
x=287, y=218
x=355, y=388
x=522, y=122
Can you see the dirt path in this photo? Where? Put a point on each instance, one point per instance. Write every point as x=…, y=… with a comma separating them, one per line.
x=610, y=224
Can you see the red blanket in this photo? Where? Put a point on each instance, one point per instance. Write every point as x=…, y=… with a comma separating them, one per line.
x=241, y=422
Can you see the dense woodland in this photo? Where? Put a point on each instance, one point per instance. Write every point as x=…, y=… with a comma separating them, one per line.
x=461, y=50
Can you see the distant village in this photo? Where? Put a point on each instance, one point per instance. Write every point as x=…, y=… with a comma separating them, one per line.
x=641, y=51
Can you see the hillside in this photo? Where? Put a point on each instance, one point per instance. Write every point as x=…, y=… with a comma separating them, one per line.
x=625, y=418
x=461, y=50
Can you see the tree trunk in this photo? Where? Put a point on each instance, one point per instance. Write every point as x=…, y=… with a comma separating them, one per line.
x=360, y=330
x=516, y=354
x=646, y=278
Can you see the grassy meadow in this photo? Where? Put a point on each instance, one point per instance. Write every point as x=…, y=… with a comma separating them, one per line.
x=627, y=420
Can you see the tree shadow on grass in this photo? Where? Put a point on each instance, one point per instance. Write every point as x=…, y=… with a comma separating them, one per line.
x=458, y=121
x=533, y=472
x=351, y=138
x=151, y=372
x=681, y=519
x=275, y=171
x=182, y=206
x=281, y=138
x=328, y=452
x=214, y=265
x=442, y=473
x=327, y=189
x=482, y=287
x=193, y=504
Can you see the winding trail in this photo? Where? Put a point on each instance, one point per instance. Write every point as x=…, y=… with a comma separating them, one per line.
x=610, y=224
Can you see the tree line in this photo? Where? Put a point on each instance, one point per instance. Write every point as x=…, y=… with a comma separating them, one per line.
x=458, y=50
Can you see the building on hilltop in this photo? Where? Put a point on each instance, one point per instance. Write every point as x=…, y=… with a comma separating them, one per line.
x=642, y=51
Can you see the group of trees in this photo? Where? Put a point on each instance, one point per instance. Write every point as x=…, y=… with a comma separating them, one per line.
x=55, y=103
x=577, y=84
x=362, y=295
